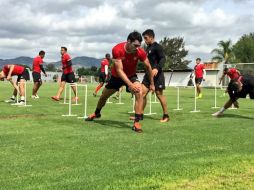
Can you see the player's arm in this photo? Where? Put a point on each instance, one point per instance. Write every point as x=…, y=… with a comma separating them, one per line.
x=161, y=57
x=69, y=64
x=238, y=72
x=14, y=85
x=150, y=72
x=123, y=76
x=204, y=74
x=43, y=70
x=11, y=68
x=222, y=77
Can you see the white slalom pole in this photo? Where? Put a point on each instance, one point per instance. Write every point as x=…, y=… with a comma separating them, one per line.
x=155, y=99
x=178, y=100
x=85, y=111
x=76, y=96
x=108, y=101
x=195, y=101
x=215, y=95
x=65, y=95
x=25, y=96
x=150, y=105
x=70, y=104
x=133, y=105
x=120, y=99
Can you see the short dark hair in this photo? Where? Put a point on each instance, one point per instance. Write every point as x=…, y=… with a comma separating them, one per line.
x=65, y=48
x=134, y=36
x=198, y=59
x=149, y=32
x=107, y=55
x=225, y=69
x=42, y=52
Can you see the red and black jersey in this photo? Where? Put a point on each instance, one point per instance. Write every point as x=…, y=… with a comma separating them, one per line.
x=37, y=62
x=18, y=70
x=233, y=74
x=65, y=58
x=199, y=70
x=104, y=62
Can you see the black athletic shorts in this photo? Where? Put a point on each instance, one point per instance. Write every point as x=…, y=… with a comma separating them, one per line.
x=198, y=80
x=159, y=81
x=117, y=83
x=25, y=75
x=70, y=77
x=36, y=77
x=102, y=77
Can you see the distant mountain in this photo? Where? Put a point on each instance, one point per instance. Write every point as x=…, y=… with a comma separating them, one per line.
x=77, y=61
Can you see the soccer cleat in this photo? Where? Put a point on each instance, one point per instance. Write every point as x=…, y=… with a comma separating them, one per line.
x=164, y=119
x=33, y=96
x=217, y=114
x=11, y=100
x=55, y=98
x=92, y=117
x=20, y=103
x=137, y=127
x=36, y=96
x=116, y=97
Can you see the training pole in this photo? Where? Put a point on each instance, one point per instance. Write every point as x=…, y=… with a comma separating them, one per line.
x=178, y=100
x=215, y=95
x=133, y=105
x=76, y=96
x=195, y=100
x=155, y=99
x=85, y=109
x=25, y=96
x=120, y=99
x=70, y=104
x=65, y=95
x=150, y=105
x=108, y=101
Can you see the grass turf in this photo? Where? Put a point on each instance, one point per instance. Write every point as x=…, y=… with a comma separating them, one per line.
x=40, y=149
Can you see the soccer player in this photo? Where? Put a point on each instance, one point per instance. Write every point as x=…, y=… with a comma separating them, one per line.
x=67, y=76
x=37, y=68
x=23, y=75
x=126, y=56
x=238, y=88
x=103, y=74
x=232, y=73
x=157, y=60
x=200, y=74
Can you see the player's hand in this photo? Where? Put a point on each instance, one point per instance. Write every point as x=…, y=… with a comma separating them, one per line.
x=8, y=78
x=154, y=72
x=46, y=75
x=152, y=88
x=135, y=87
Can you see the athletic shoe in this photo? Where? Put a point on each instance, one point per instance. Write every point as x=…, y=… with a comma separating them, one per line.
x=33, y=97
x=74, y=99
x=164, y=119
x=132, y=118
x=217, y=114
x=137, y=127
x=92, y=117
x=55, y=98
x=20, y=103
x=116, y=97
x=36, y=96
x=94, y=94
x=11, y=100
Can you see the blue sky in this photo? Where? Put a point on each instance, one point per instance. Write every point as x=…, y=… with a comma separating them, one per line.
x=92, y=28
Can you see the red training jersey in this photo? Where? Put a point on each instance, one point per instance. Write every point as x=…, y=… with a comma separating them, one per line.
x=129, y=60
x=199, y=70
x=37, y=62
x=104, y=62
x=233, y=74
x=18, y=70
x=65, y=58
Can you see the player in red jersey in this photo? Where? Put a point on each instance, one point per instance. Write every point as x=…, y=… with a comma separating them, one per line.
x=37, y=68
x=232, y=73
x=200, y=74
x=23, y=75
x=104, y=73
x=126, y=56
x=67, y=76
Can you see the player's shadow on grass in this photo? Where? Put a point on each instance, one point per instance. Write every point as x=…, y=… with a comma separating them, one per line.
x=237, y=116
x=145, y=116
x=113, y=123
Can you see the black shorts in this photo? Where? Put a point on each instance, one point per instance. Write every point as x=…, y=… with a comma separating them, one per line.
x=36, y=77
x=198, y=80
x=25, y=75
x=70, y=78
x=102, y=77
x=159, y=81
x=117, y=83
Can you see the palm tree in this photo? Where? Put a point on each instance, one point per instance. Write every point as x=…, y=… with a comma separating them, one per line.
x=224, y=52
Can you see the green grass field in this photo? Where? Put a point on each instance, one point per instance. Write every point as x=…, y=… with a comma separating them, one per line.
x=40, y=149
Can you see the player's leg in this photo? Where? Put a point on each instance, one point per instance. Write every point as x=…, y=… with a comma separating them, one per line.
x=163, y=101
x=227, y=105
x=60, y=91
x=102, y=79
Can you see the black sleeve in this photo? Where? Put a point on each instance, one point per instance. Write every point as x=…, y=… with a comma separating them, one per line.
x=43, y=70
x=161, y=57
x=69, y=64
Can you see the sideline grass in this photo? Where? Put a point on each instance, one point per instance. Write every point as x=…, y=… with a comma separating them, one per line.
x=42, y=150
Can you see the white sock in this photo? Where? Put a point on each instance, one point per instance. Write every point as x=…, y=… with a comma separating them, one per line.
x=222, y=110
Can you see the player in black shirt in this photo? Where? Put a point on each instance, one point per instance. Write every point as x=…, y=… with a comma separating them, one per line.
x=157, y=60
x=238, y=88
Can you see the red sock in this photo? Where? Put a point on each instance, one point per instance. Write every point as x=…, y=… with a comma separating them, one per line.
x=98, y=88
